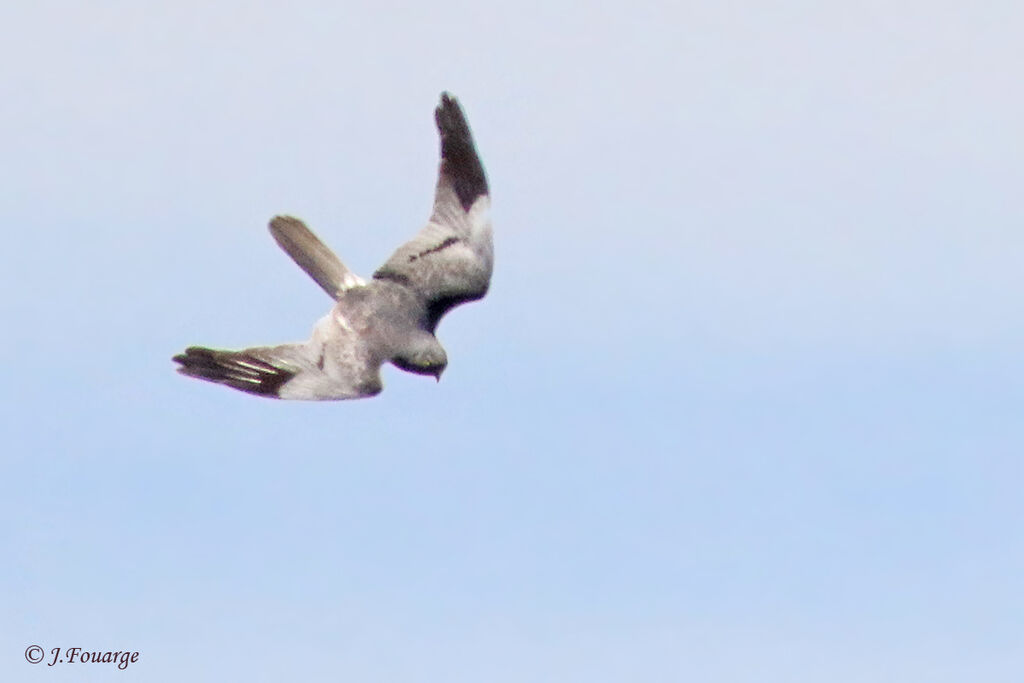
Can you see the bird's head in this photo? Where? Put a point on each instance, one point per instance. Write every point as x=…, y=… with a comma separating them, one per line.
x=427, y=358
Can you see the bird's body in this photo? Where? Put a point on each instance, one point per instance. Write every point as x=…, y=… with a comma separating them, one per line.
x=391, y=318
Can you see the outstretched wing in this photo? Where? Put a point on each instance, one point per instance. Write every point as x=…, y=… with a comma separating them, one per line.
x=313, y=256
x=334, y=364
x=450, y=260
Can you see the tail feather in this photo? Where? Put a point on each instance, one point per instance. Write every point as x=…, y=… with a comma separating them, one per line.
x=237, y=369
x=313, y=256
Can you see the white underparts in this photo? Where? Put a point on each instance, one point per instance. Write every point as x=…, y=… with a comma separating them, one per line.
x=342, y=322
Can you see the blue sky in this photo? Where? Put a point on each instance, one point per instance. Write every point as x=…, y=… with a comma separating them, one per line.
x=743, y=403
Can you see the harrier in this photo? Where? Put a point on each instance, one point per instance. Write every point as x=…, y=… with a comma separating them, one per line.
x=392, y=317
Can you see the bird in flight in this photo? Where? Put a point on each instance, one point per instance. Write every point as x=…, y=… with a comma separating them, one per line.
x=392, y=317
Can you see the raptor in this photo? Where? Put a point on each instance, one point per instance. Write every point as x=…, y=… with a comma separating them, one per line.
x=390, y=318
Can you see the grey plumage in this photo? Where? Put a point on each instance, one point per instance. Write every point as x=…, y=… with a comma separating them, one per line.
x=392, y=317
x=313, y=256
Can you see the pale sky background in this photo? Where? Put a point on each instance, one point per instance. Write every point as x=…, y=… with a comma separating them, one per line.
x=743, y=404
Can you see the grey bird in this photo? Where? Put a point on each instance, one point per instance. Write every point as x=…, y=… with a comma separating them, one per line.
x=392, y=317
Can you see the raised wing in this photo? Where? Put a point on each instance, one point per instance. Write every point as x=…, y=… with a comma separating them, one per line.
x=313, y=256
x=334, y=364
x=450, y=260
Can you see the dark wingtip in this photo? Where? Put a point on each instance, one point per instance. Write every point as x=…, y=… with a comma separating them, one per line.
x=189, y=357
x=459, y=160
x=222, y=367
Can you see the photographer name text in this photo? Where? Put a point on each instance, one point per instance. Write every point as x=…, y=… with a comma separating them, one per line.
x=76, y=655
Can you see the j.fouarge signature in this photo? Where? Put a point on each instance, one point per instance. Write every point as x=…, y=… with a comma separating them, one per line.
x=77, y=655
